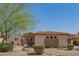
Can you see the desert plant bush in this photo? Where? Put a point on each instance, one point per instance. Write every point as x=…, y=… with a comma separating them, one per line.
x=12, y=43
x=6, y=46
x=39, y=49
x=70, y=47
x=55, y=46
x=62, y=46
x=47, y=46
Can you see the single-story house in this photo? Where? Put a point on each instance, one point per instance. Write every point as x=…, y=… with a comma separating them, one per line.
x=52, y=38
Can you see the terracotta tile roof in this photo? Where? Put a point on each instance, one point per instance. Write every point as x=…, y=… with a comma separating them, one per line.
x=75, y=37
x=51, y=33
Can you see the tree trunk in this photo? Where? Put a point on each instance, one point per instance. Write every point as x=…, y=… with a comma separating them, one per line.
x=4, y=38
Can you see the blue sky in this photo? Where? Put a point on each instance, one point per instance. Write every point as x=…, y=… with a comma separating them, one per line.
x=56, y=17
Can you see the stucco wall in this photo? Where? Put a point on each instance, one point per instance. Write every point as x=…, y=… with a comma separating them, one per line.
x=39, y=39
x=63, y=40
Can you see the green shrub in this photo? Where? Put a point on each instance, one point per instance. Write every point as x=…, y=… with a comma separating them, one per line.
x=12, y=43
x=70, y=47
x=55, y=46
x=39, y=49
x=6, y=46
x=62, y=46
x=47, y=46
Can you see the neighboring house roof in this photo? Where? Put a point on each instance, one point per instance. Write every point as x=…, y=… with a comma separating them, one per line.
x=75, y=37
x=51, y=33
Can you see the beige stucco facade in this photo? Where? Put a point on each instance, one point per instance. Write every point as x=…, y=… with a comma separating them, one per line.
x=62, y=39
x=39, y=39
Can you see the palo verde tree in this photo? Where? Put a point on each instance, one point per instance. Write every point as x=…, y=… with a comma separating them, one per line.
x=14, y=18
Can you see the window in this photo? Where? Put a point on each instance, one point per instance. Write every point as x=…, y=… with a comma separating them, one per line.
x=51, y=37
x=55, y=37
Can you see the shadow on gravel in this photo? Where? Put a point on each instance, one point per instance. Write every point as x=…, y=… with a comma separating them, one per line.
x=32, y=54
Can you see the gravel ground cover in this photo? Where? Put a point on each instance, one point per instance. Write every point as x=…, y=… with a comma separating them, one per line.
x=17, y=51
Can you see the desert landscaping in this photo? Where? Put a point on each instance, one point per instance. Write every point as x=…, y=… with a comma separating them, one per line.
x=17, y=51
x=17, y=37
